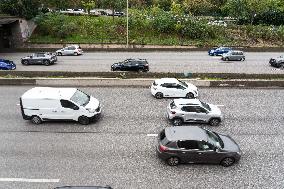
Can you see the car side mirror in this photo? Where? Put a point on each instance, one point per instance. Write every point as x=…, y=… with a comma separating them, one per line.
x=75, y=107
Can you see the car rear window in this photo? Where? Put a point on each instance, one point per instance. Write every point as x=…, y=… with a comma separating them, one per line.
x=163, y=138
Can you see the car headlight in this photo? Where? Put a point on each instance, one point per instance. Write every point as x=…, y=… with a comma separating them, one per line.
x=91, y=110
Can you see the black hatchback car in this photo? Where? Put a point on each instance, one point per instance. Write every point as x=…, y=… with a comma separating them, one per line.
x=187, y=144
x=140, y=65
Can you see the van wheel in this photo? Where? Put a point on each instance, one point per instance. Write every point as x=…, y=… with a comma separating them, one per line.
x=173, y=161
x=228, y=161
x=84, y=120
x=214, y=122
x=189, y=95
x=36, y=120
x=177, y=122
x=46, y=62
x=159, y=95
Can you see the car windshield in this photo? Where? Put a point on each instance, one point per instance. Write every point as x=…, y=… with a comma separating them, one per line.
x=215, y=139
x=205, y=105
x=80, y=98
x=183, y=83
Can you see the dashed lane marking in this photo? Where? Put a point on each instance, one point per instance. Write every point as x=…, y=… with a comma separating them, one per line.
x=27, y=180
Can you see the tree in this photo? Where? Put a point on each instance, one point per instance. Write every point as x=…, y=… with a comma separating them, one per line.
x=22, y=8
x=198, y=7
x=88, y=5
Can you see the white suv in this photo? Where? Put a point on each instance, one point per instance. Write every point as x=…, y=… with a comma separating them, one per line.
x=193, y=110
x=70, y=50
x=172, y=87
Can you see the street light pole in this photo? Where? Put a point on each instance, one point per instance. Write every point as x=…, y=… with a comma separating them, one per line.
x=127, y=42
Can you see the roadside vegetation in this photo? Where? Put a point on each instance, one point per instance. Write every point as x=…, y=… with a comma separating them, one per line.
x=165, y=22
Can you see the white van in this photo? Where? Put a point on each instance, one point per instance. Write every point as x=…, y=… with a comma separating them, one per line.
x=45, y=103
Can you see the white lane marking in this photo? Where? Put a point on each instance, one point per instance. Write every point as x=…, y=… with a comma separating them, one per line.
x=18, y=104
x=220, y=105
x=27, y=180
x=152, y=135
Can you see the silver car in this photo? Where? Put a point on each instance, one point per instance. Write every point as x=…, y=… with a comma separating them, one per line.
x=70, y=50
x=193, y=110
x=234, y=55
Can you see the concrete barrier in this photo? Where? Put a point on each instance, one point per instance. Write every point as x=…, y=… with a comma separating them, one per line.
x=141, y=82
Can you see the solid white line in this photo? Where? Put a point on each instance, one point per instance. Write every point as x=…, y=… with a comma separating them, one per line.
x=220, y=105
x=27, y=180
x=152, y=135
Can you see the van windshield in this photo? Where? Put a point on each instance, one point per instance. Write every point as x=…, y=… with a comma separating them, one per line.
x=80, y=98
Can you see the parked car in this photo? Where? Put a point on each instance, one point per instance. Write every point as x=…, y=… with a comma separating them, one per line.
x=116, y=14
x=277, y=62
x=219, y=51
x=193, y=110
x=218, y=23
x=45, y=103
x=7, y=65
x=140, y=65
x=70, y=50
x=45, y=58
x=234, y=55
x=172, y=87
x=196, y=145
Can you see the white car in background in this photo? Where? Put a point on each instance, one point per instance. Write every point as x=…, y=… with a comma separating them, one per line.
x=172, y=87
x=70, y=50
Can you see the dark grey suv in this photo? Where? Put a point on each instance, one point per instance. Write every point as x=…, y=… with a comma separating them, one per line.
x=187, y=144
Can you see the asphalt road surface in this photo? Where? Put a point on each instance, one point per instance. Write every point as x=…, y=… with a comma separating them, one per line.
x=180, y=62
x=119, y=149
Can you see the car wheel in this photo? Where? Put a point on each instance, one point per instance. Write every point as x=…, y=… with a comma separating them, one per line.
x=159, y=95
x=282, y=66
x=75, y=53
x=59, y=54
x=214, y=54
x=46, y=62
x=173, y=161
x=26, y=62
x=189, y=95
x=242, y=59
x=214, y=122
x=36, y=120
x=228, y=161
x=140, y=70
x=227, y=59
x=177, y=122
x=84, y=120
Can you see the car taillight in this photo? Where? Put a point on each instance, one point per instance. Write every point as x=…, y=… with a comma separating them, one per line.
x=173, y=112
x=163, y=148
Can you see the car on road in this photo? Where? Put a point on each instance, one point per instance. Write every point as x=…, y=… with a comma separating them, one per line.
x=219, y=51
x=44, y=58
x=218, y=23
x=196, y=145
x=233, y=55
x=172, y=87
x=139, y=65
x=277, y=62
x=46, y=103
x=180, y=111
x=7, y=65
x=70, y=50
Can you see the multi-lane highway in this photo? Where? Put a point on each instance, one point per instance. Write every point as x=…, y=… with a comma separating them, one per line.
x=180, y=62
x=119, y=149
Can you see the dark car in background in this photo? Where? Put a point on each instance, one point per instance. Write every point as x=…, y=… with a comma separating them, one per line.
x=192, y=144
x=44, y=58
x=140, y=65
x=219, y=51
x=277, y=62
x=7, y=65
